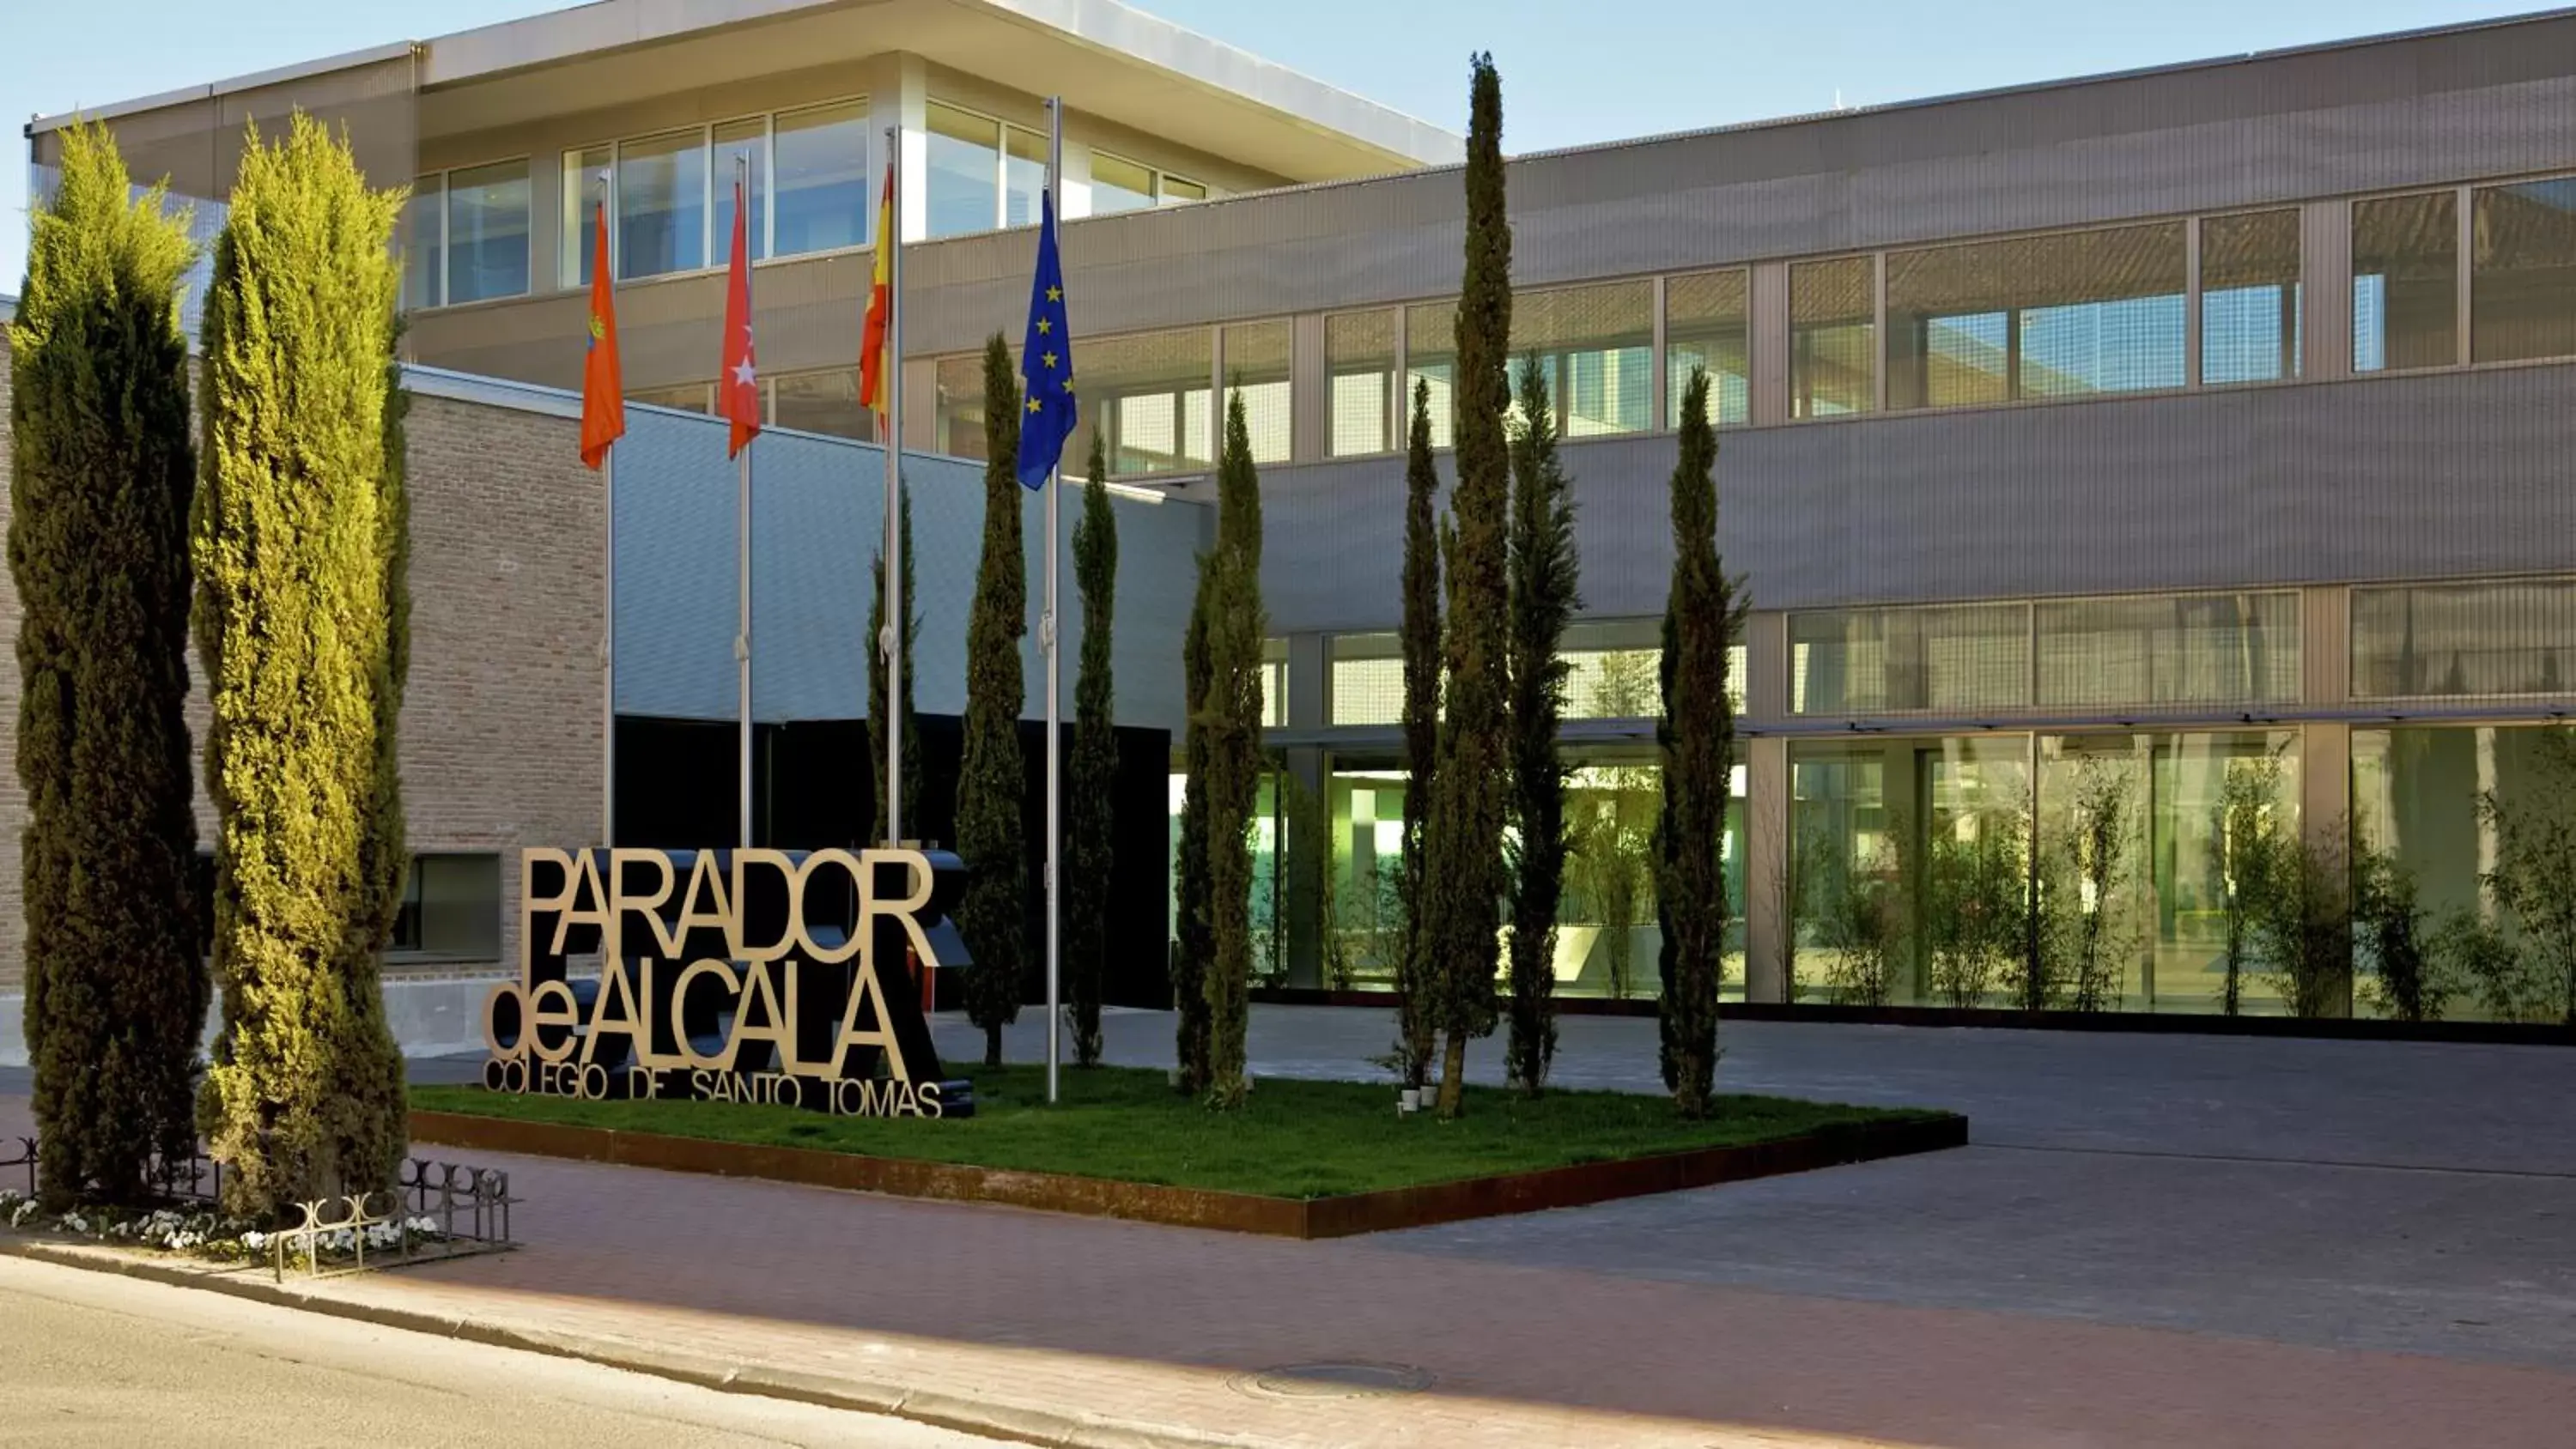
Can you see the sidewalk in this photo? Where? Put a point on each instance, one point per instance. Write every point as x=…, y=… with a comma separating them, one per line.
x=1099, y=1332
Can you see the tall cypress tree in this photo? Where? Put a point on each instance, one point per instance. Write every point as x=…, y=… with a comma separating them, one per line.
x=1697, y=732
x=98, y=544
x=1545, y=594
x=1231, y=710
x=992, y=780
x=1415, y=1013
x=1464, y=861
x=1192, y=941
x=1090, y=853
x=879, y=709
x=301, y=524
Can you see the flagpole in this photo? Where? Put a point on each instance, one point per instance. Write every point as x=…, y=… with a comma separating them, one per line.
x=1050, y=633
x=890, y=368
x=608, y=626
x=742, y=542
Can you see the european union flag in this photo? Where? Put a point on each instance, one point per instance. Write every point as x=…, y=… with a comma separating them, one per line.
x=1047, y=409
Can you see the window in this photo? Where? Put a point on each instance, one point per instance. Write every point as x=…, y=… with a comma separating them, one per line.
x=451, y=907
x=1256, y=365
x=1274, y=683
x=975, y=183
x=1367, y=674
x=1613, y=670
x=1873, y=661
x=1833, y=349
x=662, y=204
x=1177, y=192
x=1431, y=359
x=1118, y=184
x=2191, y=649
x=2450, y=640
x=688, y=397
x=2068, y=315
x=1596, y=345
x=821, y=200
x=1149, y=394
x=587, y=180
x=1359, y=372
x=958, y=383
x=468, y=236
x=1705, y=325
x=2405, y=282
x=2249, y=298
x=822, y=402
x=2522, y=279
x=745, y=141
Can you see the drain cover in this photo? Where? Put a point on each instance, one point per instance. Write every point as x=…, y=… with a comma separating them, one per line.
x=1335, y=1381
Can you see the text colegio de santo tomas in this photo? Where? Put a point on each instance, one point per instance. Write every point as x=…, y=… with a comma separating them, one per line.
x=804, y=1019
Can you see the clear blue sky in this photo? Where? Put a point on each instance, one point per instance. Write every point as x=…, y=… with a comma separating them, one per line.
x=1633, y=67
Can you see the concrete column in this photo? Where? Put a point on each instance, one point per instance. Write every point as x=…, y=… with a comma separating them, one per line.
x=1768, y=340
x=1309, y=391
x=2325, y=290
x=1767, y=928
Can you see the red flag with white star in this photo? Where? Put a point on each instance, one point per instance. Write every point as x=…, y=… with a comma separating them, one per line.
x=738, y=386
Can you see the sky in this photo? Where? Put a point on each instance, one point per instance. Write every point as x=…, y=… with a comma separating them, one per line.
x=1636, y=68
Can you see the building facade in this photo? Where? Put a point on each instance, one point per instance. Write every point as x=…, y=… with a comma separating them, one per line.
x=2184, y=448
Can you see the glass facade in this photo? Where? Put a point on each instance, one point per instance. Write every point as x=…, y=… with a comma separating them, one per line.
x=1595, y=346
x=1364, y=415
x=1149, y=393
x=1118, y=184
x=2250, y=330
x=821, y=201
x=1833, y=338
x=1256, y=365
x=825, y=402
x=2516, y=637
x=2522, y=277
x=2065, y=315
x=1707, y=323
x=2405, y=282
x=588, y=178
x=1431, y=361
x=743, y=143
x=981, y=174
x=2169, y=650
x=958, y=413
x=466, y=236
x=662, y=204
x=1884, y=661
x=425, y=241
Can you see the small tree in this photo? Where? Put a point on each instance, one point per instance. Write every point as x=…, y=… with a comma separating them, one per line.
x=1975, y=893
x=1090, y=855
x=2246, y=831
x=2484, y=959
x=1613, y=860
x=1231, y=714
x=2103, y=938
x=1544, y=595
x=2301, y=921
x=301, y=517
x=2535, y=869
x=1415, y=1016
x=1697, y=732
x=991, y=777
x=98, y=545
x=1192, y=932
x=1857, y=913
x=879, y=709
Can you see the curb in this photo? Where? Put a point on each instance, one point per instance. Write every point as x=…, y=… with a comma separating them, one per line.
x=993, y=1420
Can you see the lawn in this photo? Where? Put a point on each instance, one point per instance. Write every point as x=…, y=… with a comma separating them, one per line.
x=1297, y=1139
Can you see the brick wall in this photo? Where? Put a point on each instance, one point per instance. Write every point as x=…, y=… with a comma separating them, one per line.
x=500, y=742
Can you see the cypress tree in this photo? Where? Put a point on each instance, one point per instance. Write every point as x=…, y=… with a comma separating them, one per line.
x=1544, y=595
x=879, y=709
x=1697, y=733
x=102, y=475
x=1192, y=944
x=1415, y=1017
x=299, y=542
x=1090, y=854
x=1231, y=710
x=1464, y=867
x=991, y=778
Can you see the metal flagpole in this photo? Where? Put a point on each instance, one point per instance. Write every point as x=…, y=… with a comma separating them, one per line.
x=1049, y=633
x=890, y=378
x=608, y=626
x=742, y=546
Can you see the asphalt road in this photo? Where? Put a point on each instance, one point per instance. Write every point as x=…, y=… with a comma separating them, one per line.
x=87, y=1359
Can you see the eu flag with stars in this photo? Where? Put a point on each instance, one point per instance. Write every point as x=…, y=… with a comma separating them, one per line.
x=1047, y=410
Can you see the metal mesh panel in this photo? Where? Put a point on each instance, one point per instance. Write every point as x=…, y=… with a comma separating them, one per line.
x=2199, y=649
x=1256, y=364
x=1833, y=351
x=2522, y=275
x=1359, y=370
x=1367, y=672
x=1706, y=325
x=1597, y=346
x=2405, y=282
x=2044, y=316
x=2249, y=298
x=2465, y=640
x=1149, y=393
x=1874, y=661
x=1431, y=359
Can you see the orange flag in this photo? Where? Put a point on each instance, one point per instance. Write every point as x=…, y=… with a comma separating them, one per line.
x=872, y=341
x=738, y=387
x=603, y=389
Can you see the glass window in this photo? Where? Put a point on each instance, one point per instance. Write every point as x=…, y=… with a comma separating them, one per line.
x=1149, y=394
x=2169, y=650
x=1833, y=351
x=1359, y=370
x=1367, y=672
x=1431, y=357
x=688, y=397
x=2442, y=640
x=1705, y=325
x=487, y=232
x=451, y=907
x=1256, y=364
x=2405, y=282
x=2067, y=315
x=1023, y=177
x=424, y=243
x=748, y=141
x=2249, y=298
x=963, y=189
x=1177, y=192
x=1850, y=898
x=662, y=204
x=585, y=185
x=822, y=200
x=1274, y=683
x=1365, y=802
x=823, y=402
x=1119, y=185
x=1597, y=346
x=959, y=383
x=2522, y=280
x=1875, y=661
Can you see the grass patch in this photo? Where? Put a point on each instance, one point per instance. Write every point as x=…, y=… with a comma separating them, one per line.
x=1296, y=1139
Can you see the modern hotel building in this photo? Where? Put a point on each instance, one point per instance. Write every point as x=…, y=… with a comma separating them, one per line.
x=2204, y=430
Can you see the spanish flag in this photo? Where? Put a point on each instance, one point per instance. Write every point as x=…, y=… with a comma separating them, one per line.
x=603, y=389
x=872, y=341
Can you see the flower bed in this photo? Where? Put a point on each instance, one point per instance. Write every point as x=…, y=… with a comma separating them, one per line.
x=205, y=1233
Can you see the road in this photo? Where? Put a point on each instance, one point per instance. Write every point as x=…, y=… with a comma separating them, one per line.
x=93, y=1360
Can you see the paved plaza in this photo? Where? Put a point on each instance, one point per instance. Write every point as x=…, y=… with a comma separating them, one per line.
x=2154, y=1240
